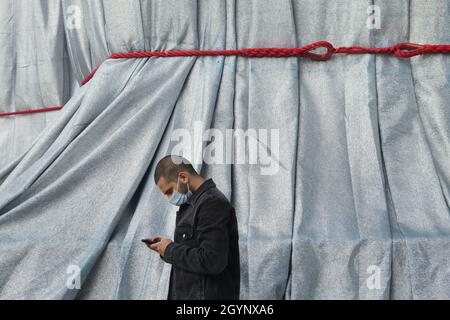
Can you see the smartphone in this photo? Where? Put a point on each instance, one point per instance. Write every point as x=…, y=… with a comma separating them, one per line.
x=148, y=241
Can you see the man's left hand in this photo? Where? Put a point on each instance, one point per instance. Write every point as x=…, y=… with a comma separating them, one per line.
x=161, y=246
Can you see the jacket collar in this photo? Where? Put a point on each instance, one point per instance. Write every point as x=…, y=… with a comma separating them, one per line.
x=207, y=184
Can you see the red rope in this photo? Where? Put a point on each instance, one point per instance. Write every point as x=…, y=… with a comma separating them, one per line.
x=401, y=50
x=31, y=111
x=89, y=77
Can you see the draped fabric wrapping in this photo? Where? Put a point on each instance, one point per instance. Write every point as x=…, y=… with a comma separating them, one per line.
x=359, y=208
x=35, y=69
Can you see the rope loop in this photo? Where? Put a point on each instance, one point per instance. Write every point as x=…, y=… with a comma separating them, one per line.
x=330, y=50
x=408, y=50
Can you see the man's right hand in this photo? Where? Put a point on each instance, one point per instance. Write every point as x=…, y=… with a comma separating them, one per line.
x=152, y=241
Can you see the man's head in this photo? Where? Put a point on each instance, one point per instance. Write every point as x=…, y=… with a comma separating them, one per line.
x=174, y=174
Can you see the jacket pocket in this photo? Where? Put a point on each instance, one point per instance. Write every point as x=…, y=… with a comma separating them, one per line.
x=190, y=285
x=184, y=234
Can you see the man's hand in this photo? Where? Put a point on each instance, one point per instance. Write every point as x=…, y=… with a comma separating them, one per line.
x=150, y=241
x=160, y=246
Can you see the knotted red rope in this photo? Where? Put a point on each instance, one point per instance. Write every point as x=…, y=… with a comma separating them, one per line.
x=401, y=50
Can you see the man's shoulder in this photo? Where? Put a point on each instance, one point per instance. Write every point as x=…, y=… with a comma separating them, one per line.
x=213, y=196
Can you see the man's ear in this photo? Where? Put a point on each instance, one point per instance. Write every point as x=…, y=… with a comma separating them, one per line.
x=183, y=176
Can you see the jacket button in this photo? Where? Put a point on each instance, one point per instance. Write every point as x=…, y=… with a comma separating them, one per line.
x=184, y=235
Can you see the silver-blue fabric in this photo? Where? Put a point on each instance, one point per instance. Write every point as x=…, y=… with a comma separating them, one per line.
x=363, y=189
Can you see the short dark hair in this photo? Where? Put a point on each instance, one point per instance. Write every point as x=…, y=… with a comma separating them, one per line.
x=170, y=166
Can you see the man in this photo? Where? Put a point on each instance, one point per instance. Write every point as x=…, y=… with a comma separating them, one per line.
x=205, y=252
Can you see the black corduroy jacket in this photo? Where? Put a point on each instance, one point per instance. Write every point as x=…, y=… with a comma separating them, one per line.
x=205, y=251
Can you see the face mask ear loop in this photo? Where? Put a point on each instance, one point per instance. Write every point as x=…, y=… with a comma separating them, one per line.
x=178, y=184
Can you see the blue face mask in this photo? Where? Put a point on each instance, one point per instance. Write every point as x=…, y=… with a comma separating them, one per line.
x=178, y=198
